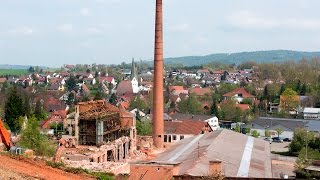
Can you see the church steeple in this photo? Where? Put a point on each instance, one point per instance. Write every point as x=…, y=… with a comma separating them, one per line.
x=134, y=73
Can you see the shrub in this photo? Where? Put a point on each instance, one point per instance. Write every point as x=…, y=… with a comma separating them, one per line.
x=31, y=138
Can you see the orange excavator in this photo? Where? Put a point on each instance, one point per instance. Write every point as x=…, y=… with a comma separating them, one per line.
x=5, y=136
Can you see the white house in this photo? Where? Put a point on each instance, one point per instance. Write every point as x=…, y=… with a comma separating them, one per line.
x=311, y=113
x=213, y=123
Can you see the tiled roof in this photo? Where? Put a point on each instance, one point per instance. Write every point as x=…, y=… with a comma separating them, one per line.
x=125, y=105
x=172, y=88
x=242, y=91
x=200, y=91
x=184, y=127
x=124, y=87
x=107, y=79
x=2, y=80
x=56, y=116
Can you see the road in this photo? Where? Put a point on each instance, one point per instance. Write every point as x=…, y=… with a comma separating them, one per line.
x=30, y=169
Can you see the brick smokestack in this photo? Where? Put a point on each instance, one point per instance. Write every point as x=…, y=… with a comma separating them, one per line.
x=158, y=80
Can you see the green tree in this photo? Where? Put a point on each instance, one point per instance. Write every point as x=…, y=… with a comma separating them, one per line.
x=279, y=131
x=38, y=110
x=26, y=105
x=289, y=99
x=267, y=133
x=71, y=83
x=57, y=127
x=303, y=90
x=14, y=109
x=144, y=128
x=248, y=130
x=31, y=138
x=138, y=103
x=238, y=128
x=99, y=95
x=190, y=105
x=71, y=99
x=214, y=109
x=229, y=111
x=255, y=133
x=300, y=138
x=113, y=99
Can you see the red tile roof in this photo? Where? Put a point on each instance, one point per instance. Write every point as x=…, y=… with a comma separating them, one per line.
x=184, y=127
x=200, y=91
x=125, y=105
x=124, y=87
x=56, y=116
x=172, y=88
x=2, y=80
x=106, y=79
x=242, y=91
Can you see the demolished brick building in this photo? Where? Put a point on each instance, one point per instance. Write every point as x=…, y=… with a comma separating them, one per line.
x=102, y=133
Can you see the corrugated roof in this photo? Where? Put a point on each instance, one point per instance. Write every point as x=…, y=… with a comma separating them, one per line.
x=227, y=146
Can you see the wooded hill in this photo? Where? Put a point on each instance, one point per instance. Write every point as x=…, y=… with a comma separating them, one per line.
x=238, y=58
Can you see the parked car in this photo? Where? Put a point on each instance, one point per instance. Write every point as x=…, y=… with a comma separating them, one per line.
x=277, y=139
x=287, y=140
x=268, y=139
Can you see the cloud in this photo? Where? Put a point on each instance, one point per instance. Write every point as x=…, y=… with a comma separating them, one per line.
x=180, y=28
x=24, y=30
x=94, y=30
x=65, y=28
x=108, y=1
x=84, y=12
x=250, y=20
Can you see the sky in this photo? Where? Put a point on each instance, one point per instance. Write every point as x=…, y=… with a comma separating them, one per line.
x=57, y=32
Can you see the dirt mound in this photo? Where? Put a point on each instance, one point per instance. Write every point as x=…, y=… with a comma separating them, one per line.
x=21, y=167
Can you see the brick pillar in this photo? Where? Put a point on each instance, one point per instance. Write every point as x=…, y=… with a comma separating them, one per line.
x=158, y=80
x=215, y=167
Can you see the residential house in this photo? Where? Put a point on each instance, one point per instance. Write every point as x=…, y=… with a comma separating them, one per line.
x=239, y=95
x=201, y=92
x=177, y=130
x=52, y=104
x=56, y=117
x=56, y=87
x=3, y=80
x=177, y=90
x=203, y=72
x=91, y=81
x=108, y=80
x=124, y=87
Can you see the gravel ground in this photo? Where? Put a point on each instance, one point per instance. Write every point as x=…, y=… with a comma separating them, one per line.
x=279, y=147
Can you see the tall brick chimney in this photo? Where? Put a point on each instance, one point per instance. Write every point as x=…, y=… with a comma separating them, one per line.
x=158, y=80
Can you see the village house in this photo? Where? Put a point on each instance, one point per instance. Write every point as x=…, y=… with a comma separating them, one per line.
x=175, y=131
x=239, y=95
x=56, y=117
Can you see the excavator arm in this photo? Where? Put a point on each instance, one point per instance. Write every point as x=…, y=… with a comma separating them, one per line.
x=5, y=135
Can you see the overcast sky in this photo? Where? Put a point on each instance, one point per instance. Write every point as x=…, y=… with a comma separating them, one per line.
x=56, y=32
